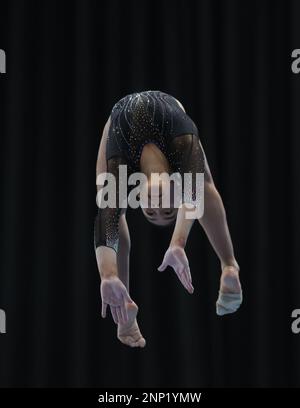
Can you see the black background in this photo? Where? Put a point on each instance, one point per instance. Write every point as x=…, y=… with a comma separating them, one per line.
x=229, y=63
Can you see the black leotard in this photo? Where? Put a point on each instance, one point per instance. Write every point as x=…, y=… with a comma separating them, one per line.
x=137, y=119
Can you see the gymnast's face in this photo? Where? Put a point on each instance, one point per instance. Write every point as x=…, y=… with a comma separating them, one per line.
x=160, y=216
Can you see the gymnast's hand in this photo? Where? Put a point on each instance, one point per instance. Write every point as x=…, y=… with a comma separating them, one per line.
x=114, y=294
x=177, y=259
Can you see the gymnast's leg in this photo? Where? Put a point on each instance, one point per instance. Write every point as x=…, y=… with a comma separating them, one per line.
x=128, y=333
x=214, y=223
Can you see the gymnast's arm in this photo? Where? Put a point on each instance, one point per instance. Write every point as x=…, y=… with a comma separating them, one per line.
x=188, y=157
x=106, y=257
x=106, y=227
x=183, y=224
x=106, y=237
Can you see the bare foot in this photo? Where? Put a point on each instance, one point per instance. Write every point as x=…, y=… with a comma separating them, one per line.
x=129, y=333
x=230, y=282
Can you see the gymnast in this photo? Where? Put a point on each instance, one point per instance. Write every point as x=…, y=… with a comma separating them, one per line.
x=150, y=132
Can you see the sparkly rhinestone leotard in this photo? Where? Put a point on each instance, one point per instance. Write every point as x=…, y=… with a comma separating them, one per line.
x=137, y=119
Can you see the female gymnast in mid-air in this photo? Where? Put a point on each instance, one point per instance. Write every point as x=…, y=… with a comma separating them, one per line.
x=150, y=132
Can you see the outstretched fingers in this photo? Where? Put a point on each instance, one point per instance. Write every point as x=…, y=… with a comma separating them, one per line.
x=124, y=313
x=126, y=299
x=104, y=308
x=184, y=272
x=177, y=259
x=179, y=272
x=114, y=314
x=184, y=276
x=187, y=273
x=119, y=314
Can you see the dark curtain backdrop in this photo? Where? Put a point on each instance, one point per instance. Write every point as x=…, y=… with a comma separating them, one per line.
x=229, y=63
